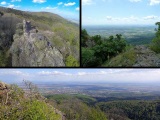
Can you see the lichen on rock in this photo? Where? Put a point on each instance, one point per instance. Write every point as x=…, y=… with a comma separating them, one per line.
x=33, y=48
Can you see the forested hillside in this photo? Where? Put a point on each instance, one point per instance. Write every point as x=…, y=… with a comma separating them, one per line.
x=46, y=29
x=96, y=50
x=116, y=52
x=17, y=104
x=28, y=103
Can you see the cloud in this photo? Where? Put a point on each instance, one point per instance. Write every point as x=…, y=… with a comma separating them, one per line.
x=50, y=8
x=46, y=73
x=15, y=0
x=77, y=8
x=11, y=6
x=87, y=2
x=39, y=1
x=131, y=18
x=154, y=2
x=109, y=18
x=135, y=0
x=60, y=3
x=150, y=17
x=3, y=3
x=69, y=4
x=81, y=75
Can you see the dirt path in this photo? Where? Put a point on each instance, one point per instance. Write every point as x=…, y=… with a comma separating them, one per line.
x=146, y=57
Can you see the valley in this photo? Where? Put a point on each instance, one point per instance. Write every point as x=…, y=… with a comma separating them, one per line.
x=134, y=34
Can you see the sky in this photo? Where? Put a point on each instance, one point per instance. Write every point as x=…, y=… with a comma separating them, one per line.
x=120, y=12
x=81, y=75
x=66, y=8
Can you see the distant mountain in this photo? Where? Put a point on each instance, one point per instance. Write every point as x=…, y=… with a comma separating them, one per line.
x=44, y=39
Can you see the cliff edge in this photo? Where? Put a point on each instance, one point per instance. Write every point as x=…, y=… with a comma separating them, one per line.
x=32, y=47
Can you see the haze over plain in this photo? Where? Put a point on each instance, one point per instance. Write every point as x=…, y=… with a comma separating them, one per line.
x=81, y=75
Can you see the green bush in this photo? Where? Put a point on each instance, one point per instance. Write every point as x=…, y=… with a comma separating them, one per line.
x=89, y=59
x=17, y=105
x=71, y=61
x=155, y=45
x=125, y=59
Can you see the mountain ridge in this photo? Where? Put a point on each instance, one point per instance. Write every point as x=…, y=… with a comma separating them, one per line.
x=65, y=37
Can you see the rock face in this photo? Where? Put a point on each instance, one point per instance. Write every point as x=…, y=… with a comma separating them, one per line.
x=3, y=86
x=146, y=57
x=33, y=48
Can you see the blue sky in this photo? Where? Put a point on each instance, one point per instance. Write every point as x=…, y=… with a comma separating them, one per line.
x=65, y=8
x=99, y=12
x=81, y=75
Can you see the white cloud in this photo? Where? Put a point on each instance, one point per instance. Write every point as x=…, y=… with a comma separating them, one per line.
x=135, y=0
x=150, y=17
x=83, y=75
x=51, y=8
x=11, y=6
x=144, y=20
x=109, y=18
x=3, y=3
x=154, y=2
x=15, y=0
x=87, y=2
x=60, y=3
x=39, y=1
x=44, y=73
x=69, y=4
x=77, y=8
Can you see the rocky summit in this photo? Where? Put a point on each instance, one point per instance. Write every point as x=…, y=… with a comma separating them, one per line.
x=37, y=39
x=146, y=57
x=32, y=48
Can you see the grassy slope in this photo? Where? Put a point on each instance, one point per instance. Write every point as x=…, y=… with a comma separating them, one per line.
x=21, y=105
x=125, y=59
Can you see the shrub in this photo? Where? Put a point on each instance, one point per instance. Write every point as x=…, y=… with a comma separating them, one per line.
x=89, y=59
x=71, y=61
x=155, y=45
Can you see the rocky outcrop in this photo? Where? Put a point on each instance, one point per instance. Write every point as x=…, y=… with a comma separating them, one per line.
x=33, y=48
x=146, y=57
x=4, y=86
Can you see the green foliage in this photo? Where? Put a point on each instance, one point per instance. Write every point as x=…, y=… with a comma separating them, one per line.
x=15, y=104
x=5, y=58
x=135, y=110
x=63, y=34
x=1, y=13
x=75, y=109
x=84, y=37
x=89, y=59
x=60, y=97
x=99, y=50
x=155, y=45
x=71, y=61
x=125, y=59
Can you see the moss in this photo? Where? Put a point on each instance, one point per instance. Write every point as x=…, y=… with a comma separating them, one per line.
x=71, y=61
x=40, y=44
x=125, y=59
x=57, y=40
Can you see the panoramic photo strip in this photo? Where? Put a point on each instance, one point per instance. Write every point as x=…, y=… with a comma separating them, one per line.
x=120, y=33
x=39, y=33
x=80, y=94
